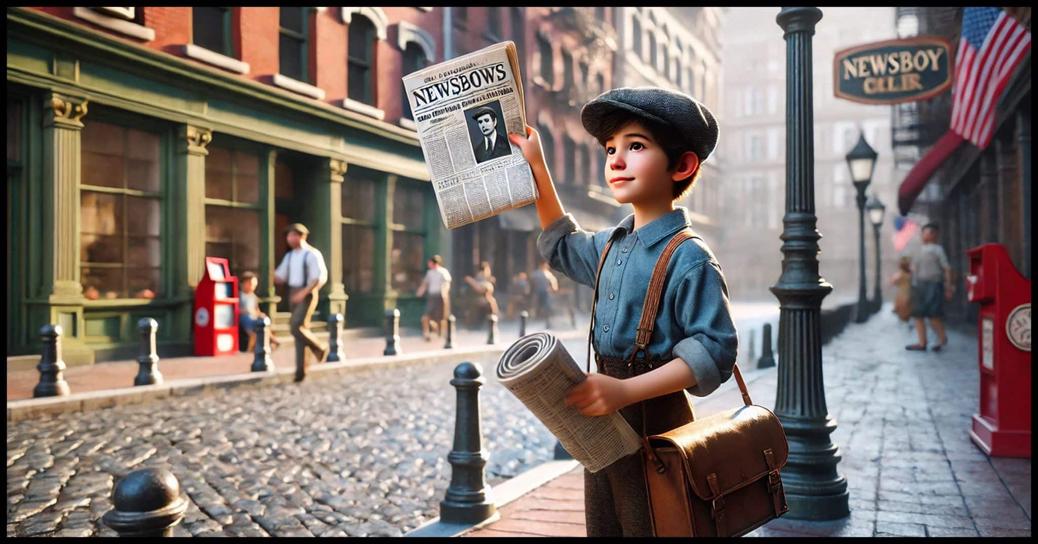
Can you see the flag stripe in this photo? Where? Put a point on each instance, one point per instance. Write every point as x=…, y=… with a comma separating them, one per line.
x=1014, y=60
x=992, y=44
x=993, y=91
x=964, y=69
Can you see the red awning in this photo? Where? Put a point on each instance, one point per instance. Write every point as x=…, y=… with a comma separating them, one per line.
x=916, y=179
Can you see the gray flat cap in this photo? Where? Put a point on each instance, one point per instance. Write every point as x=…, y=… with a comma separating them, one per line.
x=680, y=112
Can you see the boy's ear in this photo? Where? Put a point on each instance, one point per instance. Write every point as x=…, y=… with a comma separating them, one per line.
x=687, y=165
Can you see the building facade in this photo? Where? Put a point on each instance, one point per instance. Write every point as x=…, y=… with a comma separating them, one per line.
x=753, y=133
x=977, y=196
x=141, y=140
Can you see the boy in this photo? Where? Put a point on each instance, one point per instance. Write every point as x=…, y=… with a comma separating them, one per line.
x=249, y=312
x=654, y=141
x=436, y=288
x=931, y=286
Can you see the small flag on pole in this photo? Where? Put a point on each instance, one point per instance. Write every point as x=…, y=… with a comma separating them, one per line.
x=904, y=235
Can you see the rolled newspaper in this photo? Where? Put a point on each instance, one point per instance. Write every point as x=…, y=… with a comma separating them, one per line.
x=538, y=370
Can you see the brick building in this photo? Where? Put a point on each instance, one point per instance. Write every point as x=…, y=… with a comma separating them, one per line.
x=142, y=139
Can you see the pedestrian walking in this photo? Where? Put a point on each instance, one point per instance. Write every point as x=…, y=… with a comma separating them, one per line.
x=654, y=141
x=518, y=294
x=902, y=281
x=303, y=270
x=544, y=285
x=249, y=313
x=483, y=286
x=436, y=288
x=931, y=286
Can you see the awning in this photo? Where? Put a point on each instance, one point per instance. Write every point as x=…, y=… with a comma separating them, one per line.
x=521, y=219
x=923, y=170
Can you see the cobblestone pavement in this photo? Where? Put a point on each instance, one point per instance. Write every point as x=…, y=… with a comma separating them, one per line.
x=356, y=455
x=903, y=432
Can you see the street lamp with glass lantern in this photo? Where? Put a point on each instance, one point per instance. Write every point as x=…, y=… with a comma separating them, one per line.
x=876, y=211
x=862, y=161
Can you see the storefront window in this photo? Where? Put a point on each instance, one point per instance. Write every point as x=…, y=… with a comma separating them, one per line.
x=407, y=259
x=232, y=210
x=120, y=212
x=358, y=231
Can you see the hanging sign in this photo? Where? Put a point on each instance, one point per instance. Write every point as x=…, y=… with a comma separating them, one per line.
x=893, y=71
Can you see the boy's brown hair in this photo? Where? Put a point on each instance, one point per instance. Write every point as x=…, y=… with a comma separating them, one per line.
x=665, y=137
x=247, y=275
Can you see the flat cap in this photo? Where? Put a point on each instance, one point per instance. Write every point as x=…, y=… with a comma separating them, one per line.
x=689, y=119
x=297, y=227
x=483, y=110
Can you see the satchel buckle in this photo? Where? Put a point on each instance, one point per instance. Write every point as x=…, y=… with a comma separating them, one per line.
x=774, y=482
x=717, y=507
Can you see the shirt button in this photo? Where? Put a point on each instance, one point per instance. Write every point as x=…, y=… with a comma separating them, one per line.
x=605, y=329
x=618, y=262
x=612, y=296
x=625, y=250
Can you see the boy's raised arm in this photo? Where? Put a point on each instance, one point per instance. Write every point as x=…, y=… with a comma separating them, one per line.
x=549, y=207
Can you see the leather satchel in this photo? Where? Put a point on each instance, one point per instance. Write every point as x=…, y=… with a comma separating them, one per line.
x=716, y=476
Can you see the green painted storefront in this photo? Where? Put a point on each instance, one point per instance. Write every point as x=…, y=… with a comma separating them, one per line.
x=339, y=172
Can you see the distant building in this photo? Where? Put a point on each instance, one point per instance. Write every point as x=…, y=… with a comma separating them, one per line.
x=142, y=139
x=679, y=48
x=753, y=136
x=976, y=196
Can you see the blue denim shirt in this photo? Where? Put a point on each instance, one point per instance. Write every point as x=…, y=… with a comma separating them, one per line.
x=694, y=321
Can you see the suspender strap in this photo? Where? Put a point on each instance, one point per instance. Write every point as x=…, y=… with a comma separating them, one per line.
x=651, y=305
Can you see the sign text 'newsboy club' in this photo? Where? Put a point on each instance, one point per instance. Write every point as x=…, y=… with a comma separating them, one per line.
x=893, y=71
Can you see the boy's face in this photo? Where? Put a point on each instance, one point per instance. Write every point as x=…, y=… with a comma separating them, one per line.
x=929, y=235
x=249, y=285
x=636, y=166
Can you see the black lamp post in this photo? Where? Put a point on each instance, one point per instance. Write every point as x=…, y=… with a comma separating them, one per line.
x=876, y=211
x=862, y=161
x=813, y=488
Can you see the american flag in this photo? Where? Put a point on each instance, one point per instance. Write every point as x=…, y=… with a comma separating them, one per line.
x=904, y=236
x=992, y=45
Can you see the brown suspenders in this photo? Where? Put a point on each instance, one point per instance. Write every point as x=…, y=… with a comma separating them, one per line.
x=652, y=295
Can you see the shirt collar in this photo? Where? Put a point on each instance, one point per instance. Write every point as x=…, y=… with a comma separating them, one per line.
x=660, y=228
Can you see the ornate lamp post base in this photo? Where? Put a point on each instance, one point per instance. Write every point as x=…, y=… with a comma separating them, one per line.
x=814, y=490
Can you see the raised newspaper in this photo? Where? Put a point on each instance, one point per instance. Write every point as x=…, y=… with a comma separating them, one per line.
x=464, y=109
x=539, y=371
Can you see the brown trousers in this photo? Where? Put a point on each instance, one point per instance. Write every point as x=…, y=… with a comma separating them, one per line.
x=615, y=499
x=300, y=324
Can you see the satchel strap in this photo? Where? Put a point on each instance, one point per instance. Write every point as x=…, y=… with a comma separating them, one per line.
x=774, y=482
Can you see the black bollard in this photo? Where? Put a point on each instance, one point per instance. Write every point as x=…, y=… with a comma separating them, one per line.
x=468, y=497
x=451, y=321
x=523, y=316
x=392, y=332
x=262, y=362
x=766, y=360
x=147, y=503
x=491, y=329
x=335, y=338
x=52, y=382
x=148, y=373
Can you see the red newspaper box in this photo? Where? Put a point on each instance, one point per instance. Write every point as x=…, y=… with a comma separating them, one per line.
x=216, y=310
x=1003, y=426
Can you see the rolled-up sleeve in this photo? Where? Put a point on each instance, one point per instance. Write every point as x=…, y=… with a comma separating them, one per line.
x=710, y=345
x=570, y=250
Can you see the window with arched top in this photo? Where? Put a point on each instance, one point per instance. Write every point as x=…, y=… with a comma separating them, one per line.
x=361, y=60
x=414, y=59
x=636, y=36
x=653, y=53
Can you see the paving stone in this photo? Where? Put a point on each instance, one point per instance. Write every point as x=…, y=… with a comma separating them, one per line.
x=885, y=528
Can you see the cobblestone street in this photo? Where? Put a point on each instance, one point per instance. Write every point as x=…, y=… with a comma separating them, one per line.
x=356, y=455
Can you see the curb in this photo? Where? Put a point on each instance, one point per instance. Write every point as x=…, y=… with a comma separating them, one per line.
x=503, y=494
x=19, y=410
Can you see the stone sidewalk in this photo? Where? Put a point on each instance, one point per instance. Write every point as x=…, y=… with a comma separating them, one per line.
x=903, y=420
x=120, y=374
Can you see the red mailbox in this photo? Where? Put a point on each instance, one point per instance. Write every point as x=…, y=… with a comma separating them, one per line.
x=1003, y=426
x=216, y=310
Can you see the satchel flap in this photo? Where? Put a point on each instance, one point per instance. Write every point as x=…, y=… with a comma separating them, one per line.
x=731, y=445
